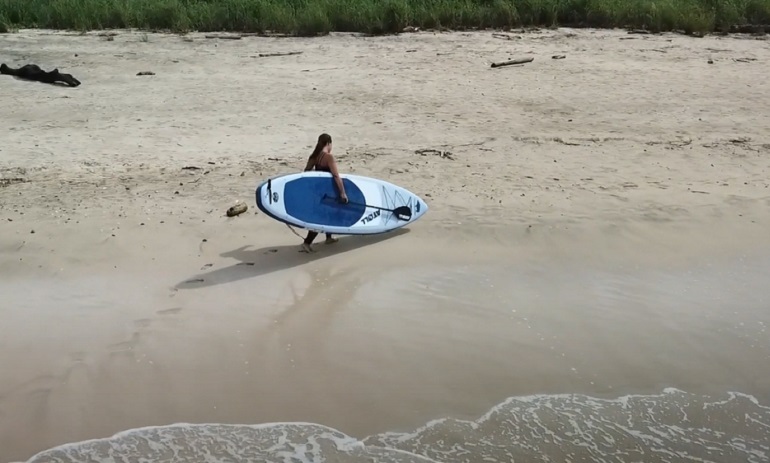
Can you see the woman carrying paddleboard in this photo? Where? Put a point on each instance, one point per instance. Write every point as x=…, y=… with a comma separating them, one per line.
x=321, y=159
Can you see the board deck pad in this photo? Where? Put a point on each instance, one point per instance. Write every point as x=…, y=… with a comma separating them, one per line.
x=310, y=200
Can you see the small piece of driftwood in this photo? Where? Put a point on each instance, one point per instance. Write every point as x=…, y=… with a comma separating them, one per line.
x=288, y=53
x=145, y=73
x=238, y=209
x=512, y=62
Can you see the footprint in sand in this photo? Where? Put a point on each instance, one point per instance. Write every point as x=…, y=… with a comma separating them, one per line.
x=171, y=311
x=125, y=346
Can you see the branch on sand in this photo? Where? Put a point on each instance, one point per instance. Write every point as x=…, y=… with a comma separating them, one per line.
x=289, y=53
x=512, y=62
x=222, y=36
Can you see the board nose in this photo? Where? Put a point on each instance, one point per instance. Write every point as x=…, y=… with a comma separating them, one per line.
x=422, y=207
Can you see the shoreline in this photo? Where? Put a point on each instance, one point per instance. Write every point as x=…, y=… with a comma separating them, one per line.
x=399, y=442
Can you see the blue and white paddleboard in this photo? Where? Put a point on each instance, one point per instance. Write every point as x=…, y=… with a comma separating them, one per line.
x=310, y=200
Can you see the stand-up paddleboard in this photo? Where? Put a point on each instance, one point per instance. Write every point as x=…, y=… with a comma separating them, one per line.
x=310, y=200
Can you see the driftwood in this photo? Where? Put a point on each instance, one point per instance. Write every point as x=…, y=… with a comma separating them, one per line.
x=33, y=72
x=145, y=73
x=512, y=62
x=288, y=53
x=238, y=209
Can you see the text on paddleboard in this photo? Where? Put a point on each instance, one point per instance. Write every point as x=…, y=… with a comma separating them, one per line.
x=371, y=217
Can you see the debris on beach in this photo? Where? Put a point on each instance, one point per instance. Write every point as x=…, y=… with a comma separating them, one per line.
x=439, y=153
x=512, y=62
x=145, y=73
x=11, y=181
x=558, y=56
x=286, y=53
x=237, y=209
x=410, y=29
x=33, y=72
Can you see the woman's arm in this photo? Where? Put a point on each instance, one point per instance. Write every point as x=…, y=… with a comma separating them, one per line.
x=337, y=178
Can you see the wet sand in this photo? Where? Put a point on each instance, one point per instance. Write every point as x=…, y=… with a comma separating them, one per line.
x=600, y=228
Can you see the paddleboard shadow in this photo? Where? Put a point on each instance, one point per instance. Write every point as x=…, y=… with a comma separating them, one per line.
x=253, y=263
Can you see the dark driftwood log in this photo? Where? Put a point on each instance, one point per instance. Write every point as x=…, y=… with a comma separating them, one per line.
x=225, y=37
x=512, y=62
x=33, y=72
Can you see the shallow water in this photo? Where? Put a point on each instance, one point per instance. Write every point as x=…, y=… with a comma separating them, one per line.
x=381, y=352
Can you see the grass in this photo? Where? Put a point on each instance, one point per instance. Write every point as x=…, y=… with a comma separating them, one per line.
x=312, y=17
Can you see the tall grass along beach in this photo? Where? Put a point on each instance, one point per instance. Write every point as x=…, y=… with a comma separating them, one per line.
x=589, y=284
x=310, y=17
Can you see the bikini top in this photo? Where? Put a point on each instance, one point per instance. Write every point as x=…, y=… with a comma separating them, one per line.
x=318, y=167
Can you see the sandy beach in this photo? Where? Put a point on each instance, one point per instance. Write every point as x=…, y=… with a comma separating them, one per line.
x=599, y=226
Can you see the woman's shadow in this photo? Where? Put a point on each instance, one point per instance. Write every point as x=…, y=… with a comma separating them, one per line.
x=257, y=262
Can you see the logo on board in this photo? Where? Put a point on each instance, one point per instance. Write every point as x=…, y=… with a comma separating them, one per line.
x=370, y=217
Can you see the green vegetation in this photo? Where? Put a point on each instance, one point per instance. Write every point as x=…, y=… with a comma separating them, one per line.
x=310, y=17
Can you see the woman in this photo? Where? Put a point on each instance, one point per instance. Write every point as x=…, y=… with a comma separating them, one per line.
x=322, y=159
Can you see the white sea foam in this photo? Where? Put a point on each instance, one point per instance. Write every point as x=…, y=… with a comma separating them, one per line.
x=218, y=443
x=673, y=426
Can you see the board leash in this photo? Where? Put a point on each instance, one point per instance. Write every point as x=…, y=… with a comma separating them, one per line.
x=295, y=232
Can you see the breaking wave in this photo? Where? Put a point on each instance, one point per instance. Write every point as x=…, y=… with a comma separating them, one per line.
x=673, y=426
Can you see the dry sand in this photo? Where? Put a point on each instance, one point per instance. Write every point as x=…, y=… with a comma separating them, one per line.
x=575, y=188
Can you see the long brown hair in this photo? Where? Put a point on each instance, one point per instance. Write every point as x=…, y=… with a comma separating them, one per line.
x=323, y=140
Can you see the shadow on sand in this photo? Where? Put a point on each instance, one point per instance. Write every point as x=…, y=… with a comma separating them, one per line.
x=256, y=262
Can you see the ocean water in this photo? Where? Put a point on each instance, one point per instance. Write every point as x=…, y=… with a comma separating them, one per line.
x=673, y=426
